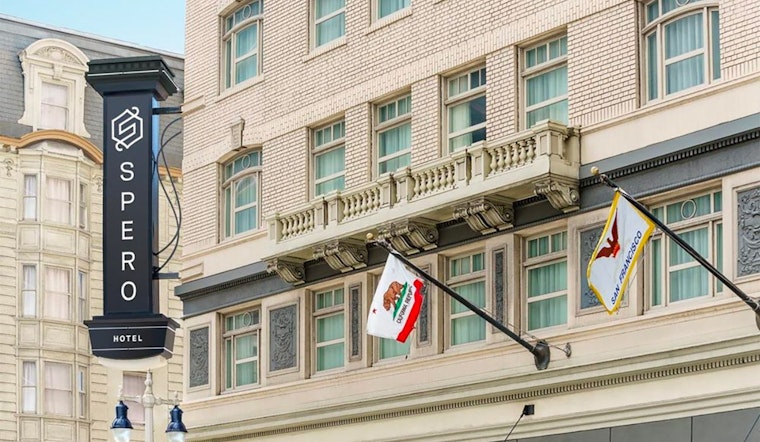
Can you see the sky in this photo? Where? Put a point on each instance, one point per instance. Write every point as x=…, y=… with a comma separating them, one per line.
x=157, y=24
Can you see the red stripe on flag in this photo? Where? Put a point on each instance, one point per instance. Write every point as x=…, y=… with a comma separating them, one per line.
x=412, y=318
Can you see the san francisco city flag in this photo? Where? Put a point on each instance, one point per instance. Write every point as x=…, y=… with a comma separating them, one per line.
x=396, y=304
x=624, y=236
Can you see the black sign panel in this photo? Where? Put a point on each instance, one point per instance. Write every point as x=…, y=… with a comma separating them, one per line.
x=129, y=205
x=132, y=338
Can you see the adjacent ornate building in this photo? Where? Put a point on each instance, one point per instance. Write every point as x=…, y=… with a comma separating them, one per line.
x=51, y=183
x=464, y=133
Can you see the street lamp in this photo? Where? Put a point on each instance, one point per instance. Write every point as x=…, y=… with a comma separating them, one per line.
x=121, y=428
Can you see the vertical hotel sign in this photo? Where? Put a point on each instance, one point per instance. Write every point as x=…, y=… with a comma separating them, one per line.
x=131, y=326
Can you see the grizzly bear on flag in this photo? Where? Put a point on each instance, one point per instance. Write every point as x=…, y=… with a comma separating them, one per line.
x=392, y=294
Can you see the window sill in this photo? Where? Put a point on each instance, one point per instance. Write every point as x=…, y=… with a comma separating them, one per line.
x=239, y=87
x=244, y=237
x=316, y=52
x=387, y=20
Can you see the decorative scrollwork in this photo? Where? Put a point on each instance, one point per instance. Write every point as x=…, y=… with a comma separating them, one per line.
x=562, y=196
x=486, y=215
x=289, y=269
x=410, y=236
x=748, y=214
x=343, y=255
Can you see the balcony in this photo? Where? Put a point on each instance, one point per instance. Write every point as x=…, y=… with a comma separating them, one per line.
x=477, y=184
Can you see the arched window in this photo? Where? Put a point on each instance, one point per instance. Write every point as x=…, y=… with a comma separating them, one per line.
x=241, y=192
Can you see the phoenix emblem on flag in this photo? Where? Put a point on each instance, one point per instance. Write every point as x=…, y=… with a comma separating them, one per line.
x=613, y=248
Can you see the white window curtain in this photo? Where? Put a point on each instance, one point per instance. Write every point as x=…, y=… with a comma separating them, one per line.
x=29, y=387
x=330, y=328
x=54, y=106
x=692, y=281
x=546, y=87
x=58, y=395
x=134, y=385
x=246, y=53
x=330, y=20
x=246, y=191
x=29, y=292
x=30, y=197
x=390, y=348
x=57, y=293
x=246, y=359
x=470, y=117
x=393, y=141
x=58, y=203
x=544, y=280
x=387, y=7
x=470, y=327
x=330, y=164
x=682, y=37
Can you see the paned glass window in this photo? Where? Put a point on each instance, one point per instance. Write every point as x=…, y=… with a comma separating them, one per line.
x=329, y=20
x=82, y=312
x=241, y=187
x=394, y=134
x=242, y=43
x=329, y=324
x=681, y=46
x=241, y=349
x=54, y=106
x=29, y=291
x=57, y=293
x=675, y=275
x=58, y=200
x=29, y=387
x=545, y=76
x=83, y=202
x=30, y=197
x=329, y=158
x=546, y=280
x=466, y=109
x=59, y=398
x=466, y=276
x=82, y=392
x=388, y=7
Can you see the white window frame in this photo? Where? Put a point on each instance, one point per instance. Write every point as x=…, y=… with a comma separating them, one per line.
x=84, y=201
x=29, y=384
x=29, y=292
x=49, y=200
x=315, y=22
x=376, y=9
x=229, y=35
x=657, y=28
x=49, y=389
x=334, y=309
x=452, y=100
x=553, y=255
x=31, y=197
x=463, y=278
x=49, y=292
x=81, y=383
x=660, y=244
x=228, y=345
x=82, y=312
x=551, y=64
x=230, y=181
x=390, y=124
x=67, y=108
x=327, y=147
x=59, y=62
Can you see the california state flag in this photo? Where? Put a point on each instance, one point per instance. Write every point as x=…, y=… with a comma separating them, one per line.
x=397, y=302
x=624, y=236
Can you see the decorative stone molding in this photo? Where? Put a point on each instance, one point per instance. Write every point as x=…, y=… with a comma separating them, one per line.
x=289, y=269
x=355, y=320
x=343, y=255
x=98, y=181
x=198, y=368
x=562, y=196
x=410, y=236
x=486, y=214
x=283, y=338
x=9, y=164
x=748, y=214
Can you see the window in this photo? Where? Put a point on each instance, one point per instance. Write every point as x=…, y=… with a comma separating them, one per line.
x=329, y=320
x=58, y=200
x=681, y=45
x=54, y=86
x=388, y=7
x=54, y=106
x=242, y=43
x=675, y=275
x=30, y=197
x=241, y=349
x=29, y=387
x=82, y=313
x=545, y=77
x=133, y=385
x=466, y=109
x=394, y=134
x=329, y=20
x=82, y=392
x=546, y=280
x=329, y=158
x=241, y=188
x=57, y=293
x=83, y=201
x=29, y=291
x=58, y=394
x=466, y=276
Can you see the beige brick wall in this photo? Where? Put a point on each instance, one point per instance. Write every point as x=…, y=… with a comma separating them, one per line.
x=739, y=40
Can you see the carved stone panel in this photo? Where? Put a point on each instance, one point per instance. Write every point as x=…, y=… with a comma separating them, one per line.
x=499, y=285
x=748, y=217
x=589, y=239
x=198, y=370
x=356, y=321
x=283, y=338
x=423, y=322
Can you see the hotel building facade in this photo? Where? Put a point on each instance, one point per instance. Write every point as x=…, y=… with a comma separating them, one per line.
x=464, y=134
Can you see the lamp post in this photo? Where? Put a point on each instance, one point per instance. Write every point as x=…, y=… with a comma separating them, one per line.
x=121, y=427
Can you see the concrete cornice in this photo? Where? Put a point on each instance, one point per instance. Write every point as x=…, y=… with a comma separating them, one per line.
x=89, y=149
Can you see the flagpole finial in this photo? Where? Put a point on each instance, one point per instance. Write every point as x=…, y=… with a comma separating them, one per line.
x=594, y=170
x=370, y=236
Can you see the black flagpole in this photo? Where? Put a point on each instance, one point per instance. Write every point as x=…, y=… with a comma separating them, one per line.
x=684, y=245
x=540, y=351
